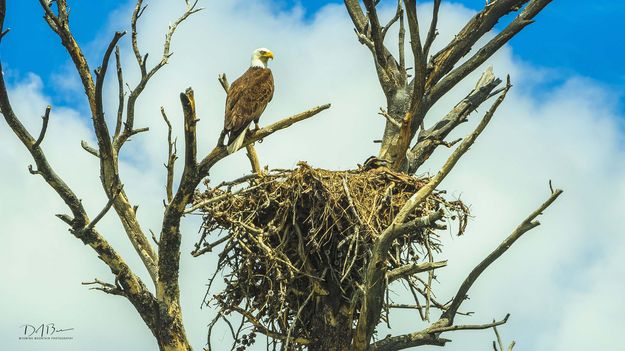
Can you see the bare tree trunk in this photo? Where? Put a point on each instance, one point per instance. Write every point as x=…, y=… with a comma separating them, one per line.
x=170, y=333
x=397, y=105
x=332, y=331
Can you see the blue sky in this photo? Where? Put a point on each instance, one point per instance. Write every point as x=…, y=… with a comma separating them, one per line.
x=572, y=37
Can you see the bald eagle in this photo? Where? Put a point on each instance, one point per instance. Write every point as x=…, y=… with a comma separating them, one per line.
x=247, y=98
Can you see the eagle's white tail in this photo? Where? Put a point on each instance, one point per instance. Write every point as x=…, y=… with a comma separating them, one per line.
x=236, y=144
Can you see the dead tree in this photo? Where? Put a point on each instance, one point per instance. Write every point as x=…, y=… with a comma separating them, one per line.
x=407, y=143
x=158, y=301
x=310, y=254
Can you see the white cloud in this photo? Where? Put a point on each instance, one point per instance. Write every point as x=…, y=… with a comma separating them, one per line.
x=560, y=282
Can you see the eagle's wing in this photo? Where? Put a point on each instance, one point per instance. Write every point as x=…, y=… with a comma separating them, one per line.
x=248, y=97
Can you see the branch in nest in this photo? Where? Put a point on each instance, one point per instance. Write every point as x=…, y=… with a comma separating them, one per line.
x=376, y=272
x=209, y=247
x=262, y=329
x=283, y=225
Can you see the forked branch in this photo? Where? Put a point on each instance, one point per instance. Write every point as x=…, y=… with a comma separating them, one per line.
x=431, y=334
x=483, y=22
x=78, y=221
x=146, y=74
x=528, y=224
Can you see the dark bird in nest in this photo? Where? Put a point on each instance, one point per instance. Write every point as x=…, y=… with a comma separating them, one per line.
x=248, y=97
x=373, y=163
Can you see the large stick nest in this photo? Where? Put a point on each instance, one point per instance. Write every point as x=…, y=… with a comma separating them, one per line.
x=297, y=239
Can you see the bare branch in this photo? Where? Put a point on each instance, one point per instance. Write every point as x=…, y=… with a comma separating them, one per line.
x=369, y=33
x=400, y=41
x=468, y=326
x=43, y=166
x=529, y=223
x=462, y=43
x=120, y=87
x=498, y=339
x=429, y=139
x=477, y=27
x=398, y=14
x=428, y=336
x=395, y=343
x=89, y=149
x=60, y=25
x=99, y=121
x=154, y=239
x=169, y=244
x=415, y=44
x=426, y=190
x=171, y=158
x=190, y=120
x=252, y=155
x=433, y=32
x=375, y=280
x=136, y=14
x=414, y=268
x=44, y=127
x=220, y=152
x=388, y=117
x=223, y=80
x=145, y=74
x=138, y=294
x=106, y=287
x=356, y=14
x=376, y=32
x=102, y=213
x=3, y=10
x=209, y=247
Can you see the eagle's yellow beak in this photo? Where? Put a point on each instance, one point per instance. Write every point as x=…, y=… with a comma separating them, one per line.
x=268, y=55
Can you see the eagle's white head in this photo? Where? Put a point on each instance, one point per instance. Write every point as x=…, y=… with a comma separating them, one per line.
x=260, y=57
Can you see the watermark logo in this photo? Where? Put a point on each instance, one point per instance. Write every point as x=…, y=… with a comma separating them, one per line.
x=44, y=331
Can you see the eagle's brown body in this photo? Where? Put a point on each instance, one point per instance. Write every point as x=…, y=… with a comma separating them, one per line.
x=248, y=97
